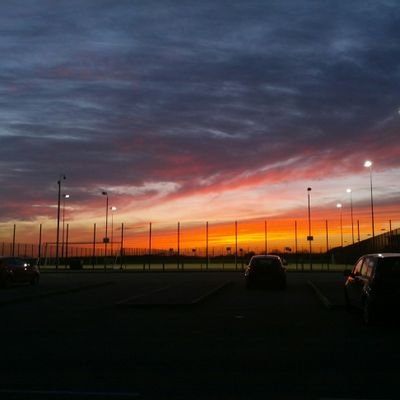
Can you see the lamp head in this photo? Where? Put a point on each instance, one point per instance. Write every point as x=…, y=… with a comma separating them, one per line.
x=368, y=164
x=63, y=177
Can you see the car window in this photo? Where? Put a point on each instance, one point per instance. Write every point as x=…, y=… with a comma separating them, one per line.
x=11, y=262
x=266, y=263
x=388, y=269
x=357, y=268
x=367, y=267
x=18, y=263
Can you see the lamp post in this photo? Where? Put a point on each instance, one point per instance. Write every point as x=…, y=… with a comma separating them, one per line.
x=310, y=238
x=339, y=206
x=207, y=259
x=65, y=196
x=112, y=228
x=351, y=212
x=106, y=240
x=265, y=237
x=62, y=177
x=368, y=164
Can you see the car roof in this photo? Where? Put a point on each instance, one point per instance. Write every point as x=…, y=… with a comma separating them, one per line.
x=273, y=256
x=383, y=255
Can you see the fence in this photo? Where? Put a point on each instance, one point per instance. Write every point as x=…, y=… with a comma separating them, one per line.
x=222, y=257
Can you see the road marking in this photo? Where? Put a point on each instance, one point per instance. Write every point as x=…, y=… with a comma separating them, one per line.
x=187, y=300
x=210, y=292
x=144, y=294
x=326, y=302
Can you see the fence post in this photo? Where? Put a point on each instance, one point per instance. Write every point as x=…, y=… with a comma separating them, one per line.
x=13, y=242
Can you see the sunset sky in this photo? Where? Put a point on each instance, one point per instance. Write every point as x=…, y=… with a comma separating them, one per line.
x=198, y=111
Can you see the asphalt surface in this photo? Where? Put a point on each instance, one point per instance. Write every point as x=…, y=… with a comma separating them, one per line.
x=190, y=336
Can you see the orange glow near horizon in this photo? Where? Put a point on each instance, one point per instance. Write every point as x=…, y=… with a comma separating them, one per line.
x=277, y=234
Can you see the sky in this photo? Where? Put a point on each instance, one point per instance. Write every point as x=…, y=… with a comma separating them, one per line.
x=197, y=111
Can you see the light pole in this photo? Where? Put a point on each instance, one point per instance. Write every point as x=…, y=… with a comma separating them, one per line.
x=112, y=228
x=62, y=177
x=106, y=240
x=207, y=259
x=368, y=164
x=65, y=196
x=339, y=206
x=351, y=212
x=265, y=237
x=309, y=237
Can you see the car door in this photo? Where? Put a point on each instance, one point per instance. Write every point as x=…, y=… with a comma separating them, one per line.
x=355, y=284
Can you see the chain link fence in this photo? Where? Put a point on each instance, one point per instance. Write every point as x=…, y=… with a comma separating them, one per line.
x=204, y=247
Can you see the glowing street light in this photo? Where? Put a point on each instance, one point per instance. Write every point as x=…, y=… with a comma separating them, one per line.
x=368, y=164
x=351, y=212
x=339, y=206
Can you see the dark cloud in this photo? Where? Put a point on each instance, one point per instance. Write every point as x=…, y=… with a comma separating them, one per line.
x=127, y=93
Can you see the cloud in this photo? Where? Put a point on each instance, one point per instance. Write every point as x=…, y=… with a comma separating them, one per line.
x=161, y=101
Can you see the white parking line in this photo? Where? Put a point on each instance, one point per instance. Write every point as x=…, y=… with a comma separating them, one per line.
x=325, y=301
x=145, y=294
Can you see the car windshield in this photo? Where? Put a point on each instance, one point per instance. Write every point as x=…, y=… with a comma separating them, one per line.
x=267, y=263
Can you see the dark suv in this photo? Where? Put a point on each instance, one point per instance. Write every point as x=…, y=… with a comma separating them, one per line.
x=265, y=271
x=18, y=270
x=374, y=286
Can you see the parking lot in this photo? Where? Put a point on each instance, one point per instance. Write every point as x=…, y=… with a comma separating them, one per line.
x=189, y=335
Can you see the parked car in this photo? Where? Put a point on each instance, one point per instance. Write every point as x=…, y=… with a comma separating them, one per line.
x=374, y=286
x=18, y=270
x=265, y=271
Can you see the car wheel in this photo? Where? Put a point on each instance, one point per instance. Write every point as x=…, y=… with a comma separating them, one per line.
x=35, y=280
